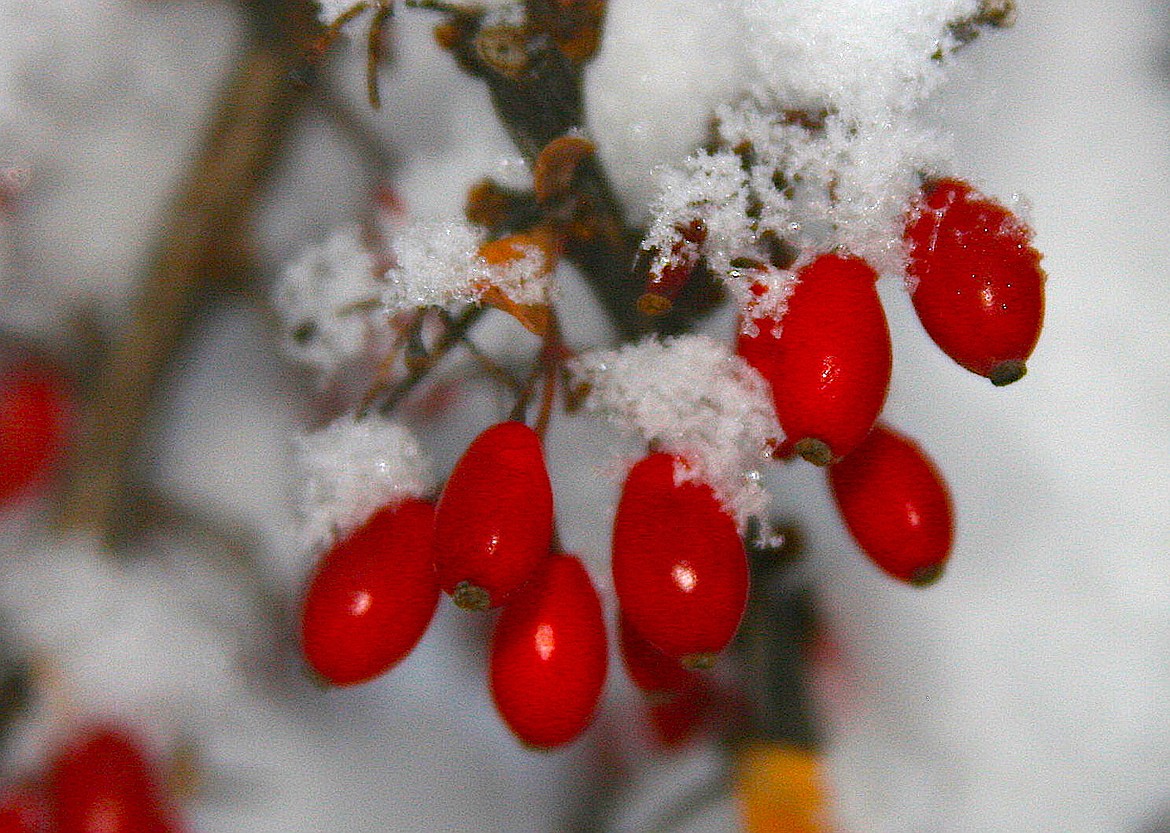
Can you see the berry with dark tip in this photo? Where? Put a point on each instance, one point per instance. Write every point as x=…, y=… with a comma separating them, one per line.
x=494, y=521
x=977, y=284
x=896, y=505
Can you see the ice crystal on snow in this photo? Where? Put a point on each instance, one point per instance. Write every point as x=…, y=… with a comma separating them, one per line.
x=692, y=397
x=824, y=150
x=351, y=469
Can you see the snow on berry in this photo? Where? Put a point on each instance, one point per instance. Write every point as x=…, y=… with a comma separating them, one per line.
x=708, y=186
x=352, y=468
x=695, y=399
x=824, y=149
x=831, y=181
x=813, y=182
x=329, y=302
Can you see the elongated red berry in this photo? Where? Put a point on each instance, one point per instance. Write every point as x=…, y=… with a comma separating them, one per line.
x=373, y=596
x=896, y=505
x=33, y=425
x=549, y=656
x=24, y=809
x=679, y=566
x=493, y=525
x=828, y=359
x=668, y=271
x=978, y=285
x=103, y=782
x=677, y=698
x=653, y=672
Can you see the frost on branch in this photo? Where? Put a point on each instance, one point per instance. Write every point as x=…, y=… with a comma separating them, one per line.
x=692, y=397
x=352, y=468
x=338, y=306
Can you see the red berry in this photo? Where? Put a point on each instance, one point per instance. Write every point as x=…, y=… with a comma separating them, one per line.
x=896, y=505
x=549, y=656
x=493, y=525
x=670, y=271
x=677, y=720
x=653, y=672
x=677, y=698
x=23, y=809
x=102, y=782
x=33, y=419
x=828, y=359
x=980, y=288
x=679, y=566
x=373, y=595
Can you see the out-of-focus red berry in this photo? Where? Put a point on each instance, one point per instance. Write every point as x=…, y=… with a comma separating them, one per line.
x=34, y=417
x=828, y=359
x=896, y=505
x=373, y=596
x=677, y=698
x=679, y=566
x=652, y=672
x=549, y=656
x=978, y=285
x=494, y=521
x=23, y=809
x=103, y=782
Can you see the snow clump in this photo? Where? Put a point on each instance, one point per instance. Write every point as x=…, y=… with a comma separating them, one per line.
x=353, y=467
x=691, y=397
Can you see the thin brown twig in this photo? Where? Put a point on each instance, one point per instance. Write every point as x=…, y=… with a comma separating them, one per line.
x=490, y=366
x=552, y=359
x=449, y=339
x=375, y=50
x=252, y=117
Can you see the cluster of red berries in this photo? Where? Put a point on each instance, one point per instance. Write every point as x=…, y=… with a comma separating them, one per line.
x=488, y=543
x=34, y=417
x=679, y=566
x=978, y=290
x=100, y=781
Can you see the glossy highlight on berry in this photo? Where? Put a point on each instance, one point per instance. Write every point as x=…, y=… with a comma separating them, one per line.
x=549, y=656
x=493, y=523
x=679, y=566
x=896, y=505
x=828, y=359
x=978, y=286
x=372, y=597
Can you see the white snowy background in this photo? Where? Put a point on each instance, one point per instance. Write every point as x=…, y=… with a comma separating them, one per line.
x=1028, y=691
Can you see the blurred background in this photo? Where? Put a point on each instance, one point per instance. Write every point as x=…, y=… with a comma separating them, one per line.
x=1028, y=690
